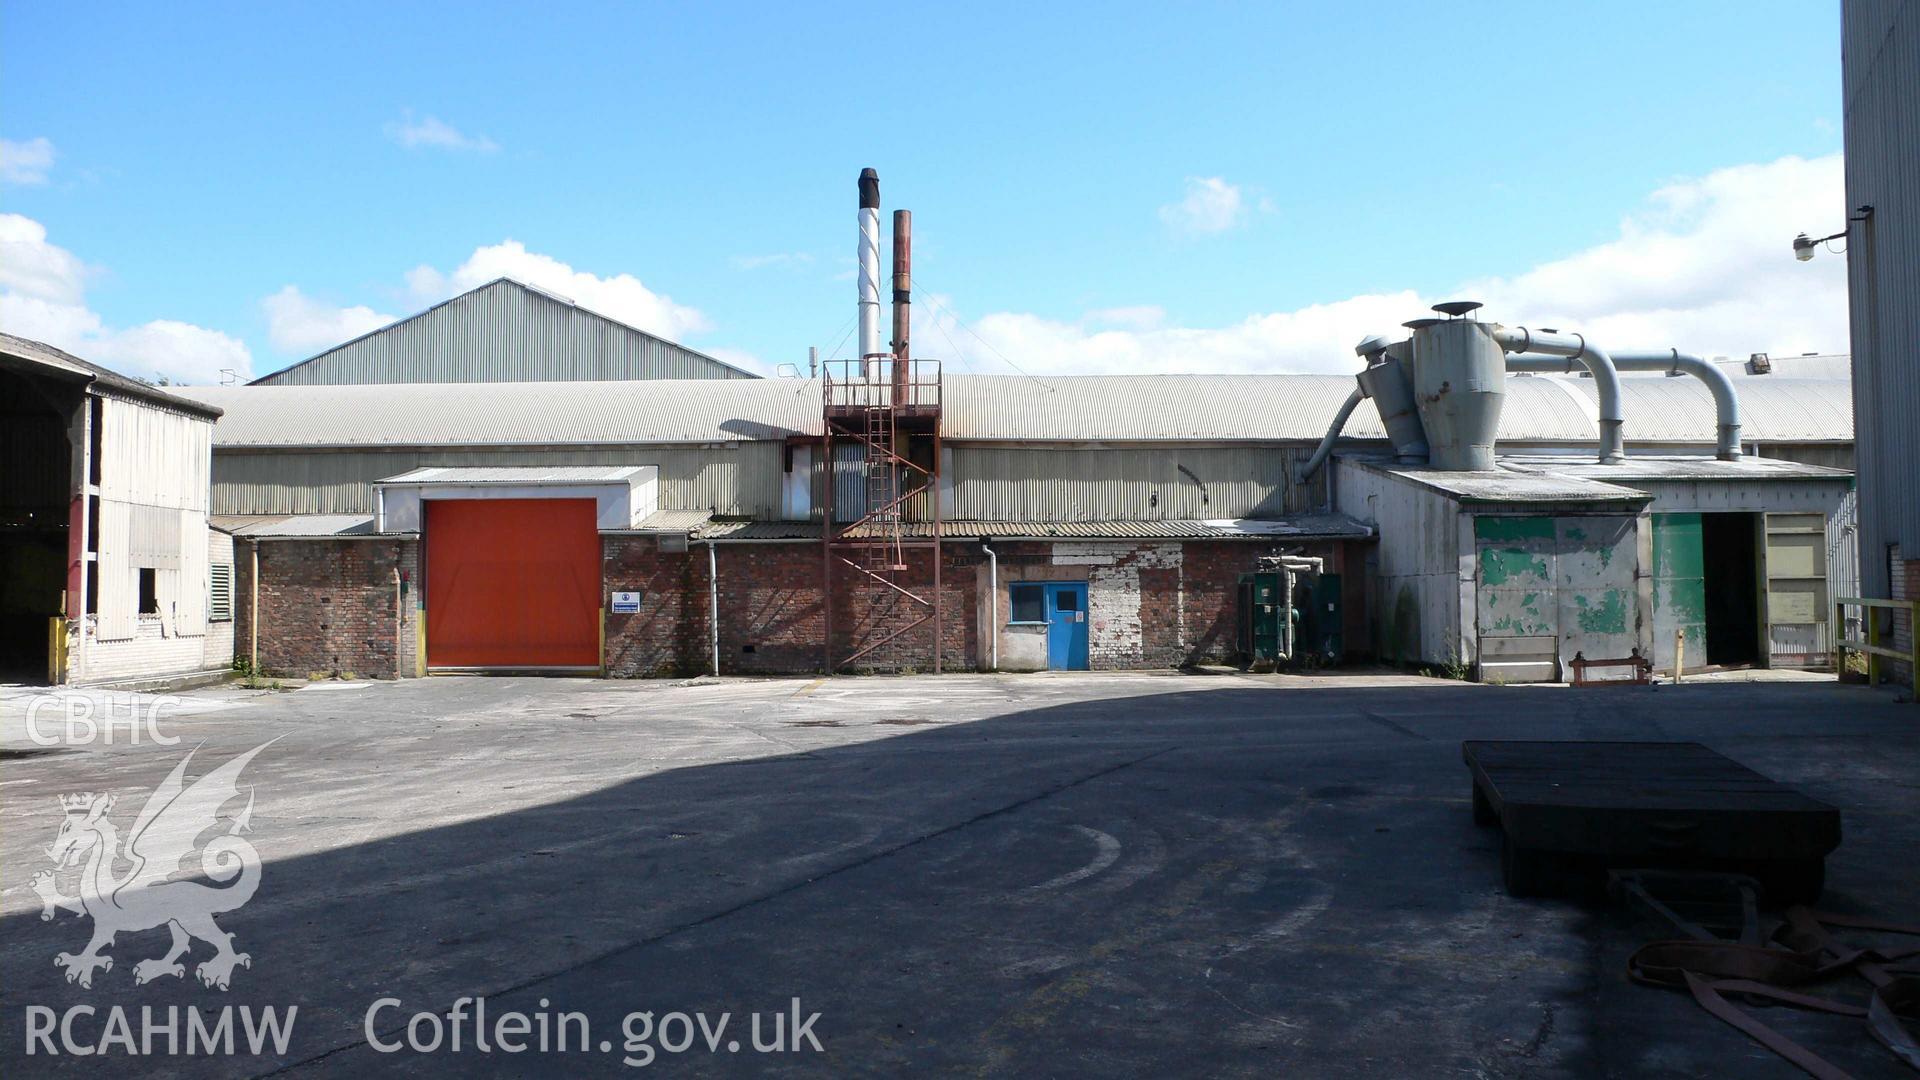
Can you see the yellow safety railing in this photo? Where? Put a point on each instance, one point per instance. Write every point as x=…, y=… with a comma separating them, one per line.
x=1871, y=647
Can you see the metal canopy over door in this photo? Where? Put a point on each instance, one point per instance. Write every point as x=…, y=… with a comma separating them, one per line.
x=1067, y=625
x=512, y=583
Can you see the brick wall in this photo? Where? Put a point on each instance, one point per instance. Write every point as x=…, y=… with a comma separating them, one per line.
x=771, y=617
x=667, y=635
x=1156, y=605
x=328, y=605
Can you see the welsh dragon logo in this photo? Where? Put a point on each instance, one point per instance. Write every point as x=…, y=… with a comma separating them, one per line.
x=151, y=892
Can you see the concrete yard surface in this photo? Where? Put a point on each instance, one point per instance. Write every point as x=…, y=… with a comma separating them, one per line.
x=1063, y=874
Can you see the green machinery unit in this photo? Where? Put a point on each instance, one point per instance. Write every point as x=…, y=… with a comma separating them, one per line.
x=1266, y=616
x=1289, y=615
x=1318, y=599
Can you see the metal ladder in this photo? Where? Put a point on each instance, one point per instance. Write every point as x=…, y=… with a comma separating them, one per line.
x=883, y=487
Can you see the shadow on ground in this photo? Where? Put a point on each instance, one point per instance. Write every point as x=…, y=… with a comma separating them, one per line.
x=1238, y=882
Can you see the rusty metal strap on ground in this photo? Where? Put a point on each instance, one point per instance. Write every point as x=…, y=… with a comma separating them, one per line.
x=1718, y=972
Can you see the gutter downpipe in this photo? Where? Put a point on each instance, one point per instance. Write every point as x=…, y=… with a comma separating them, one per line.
x=1726, y=400
x=1606, y=377
x=253, y=613
x=993, y=618
x=1320, y=452
x=713, y=604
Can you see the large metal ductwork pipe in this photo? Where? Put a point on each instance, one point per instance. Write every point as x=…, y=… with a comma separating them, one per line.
x=1555, y=351
x=1384, y=381
x=1389, y=382
x=1726, y=400
x=1459, y=387
x=869, y=267
x=1320, y=452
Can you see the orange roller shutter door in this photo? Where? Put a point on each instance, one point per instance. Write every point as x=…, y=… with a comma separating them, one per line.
x=512, y=583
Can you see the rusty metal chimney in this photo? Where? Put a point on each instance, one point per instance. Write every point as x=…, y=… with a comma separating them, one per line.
x=902, y=302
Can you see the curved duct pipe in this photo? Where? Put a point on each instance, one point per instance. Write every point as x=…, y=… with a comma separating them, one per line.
x=1726, y=401
x=1573, y=347
x=1320, y=452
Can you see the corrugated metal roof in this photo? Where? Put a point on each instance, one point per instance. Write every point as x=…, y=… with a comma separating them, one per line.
x=1772, y=409
x=1148, y=407
x=504, y=331
x=44, y=355
x=1507, y=485
x=674, y=521
x=1806, y=366
x=1299, y=527
x=493, y=414
x=293, y=524
x=1088, y=408
x=1648, y=467
x=516, y=474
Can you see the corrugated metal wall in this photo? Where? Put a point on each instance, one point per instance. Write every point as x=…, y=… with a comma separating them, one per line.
x=739, y=479
x=153, y=513
x=504, y=332
x=1826, y=455
x=1127, y=483
x=1880, y=50
x=1843, y=557
x=1413, y=588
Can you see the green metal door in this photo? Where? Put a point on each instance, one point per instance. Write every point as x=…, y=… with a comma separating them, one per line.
x=1679, y=590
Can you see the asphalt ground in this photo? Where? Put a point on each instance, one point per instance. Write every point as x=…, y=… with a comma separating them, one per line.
x=1064, y=874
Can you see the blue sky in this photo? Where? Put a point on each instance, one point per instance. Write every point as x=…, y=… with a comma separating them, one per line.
x=1130, y=187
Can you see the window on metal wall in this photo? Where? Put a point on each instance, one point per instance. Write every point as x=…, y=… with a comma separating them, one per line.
x=149, y=591
x=1029, y=602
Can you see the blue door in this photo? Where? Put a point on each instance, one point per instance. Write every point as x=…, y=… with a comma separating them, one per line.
x=1067, y=625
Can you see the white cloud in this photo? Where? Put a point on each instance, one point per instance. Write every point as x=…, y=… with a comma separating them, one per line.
x=26, y=162
x=42, y=296
x=621, y=296
x=1139, y=316
x=1210, y=205
x=1704, y=266
x=32, y=267
x=740, y=358
x=297, y=322
x=782, y=259
x=434, y=133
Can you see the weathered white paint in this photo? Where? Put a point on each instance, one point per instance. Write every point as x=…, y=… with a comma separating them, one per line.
x=796, y=488
x=1023, y=647
x=1112, y=572
x=619, y=504
x=1416, y=572
x=154, y=481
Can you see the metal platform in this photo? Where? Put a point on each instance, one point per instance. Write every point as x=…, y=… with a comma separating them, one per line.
x=1571, y=808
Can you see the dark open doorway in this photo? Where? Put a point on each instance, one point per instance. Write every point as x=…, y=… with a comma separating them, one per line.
x=1729, y=549
x=35, y=464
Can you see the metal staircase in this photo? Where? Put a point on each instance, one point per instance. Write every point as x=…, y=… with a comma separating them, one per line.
x=882, y=405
